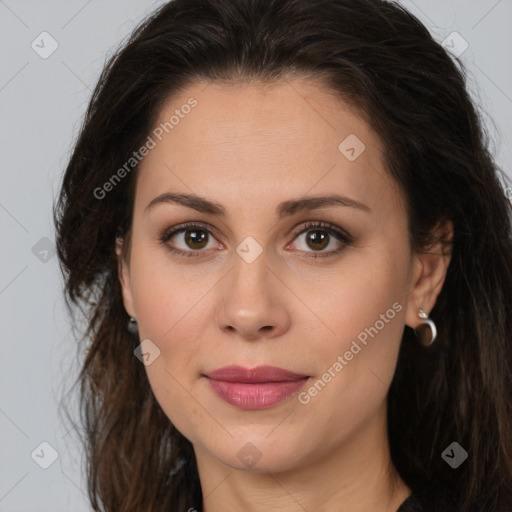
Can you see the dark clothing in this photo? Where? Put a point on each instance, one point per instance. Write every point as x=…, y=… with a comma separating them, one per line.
x=427, y=500
x=417, y=503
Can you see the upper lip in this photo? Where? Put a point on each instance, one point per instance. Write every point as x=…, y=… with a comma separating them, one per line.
x=259, y=374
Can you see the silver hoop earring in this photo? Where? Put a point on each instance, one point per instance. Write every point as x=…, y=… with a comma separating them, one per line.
x=132, y=325
x=427, y=331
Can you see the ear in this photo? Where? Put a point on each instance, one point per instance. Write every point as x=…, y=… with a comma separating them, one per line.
x=124, y=278
x=428, y=275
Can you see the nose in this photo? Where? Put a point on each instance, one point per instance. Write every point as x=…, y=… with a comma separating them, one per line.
x=253, y=302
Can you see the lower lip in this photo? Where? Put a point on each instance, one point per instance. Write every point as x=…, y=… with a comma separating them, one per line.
x=255, y=396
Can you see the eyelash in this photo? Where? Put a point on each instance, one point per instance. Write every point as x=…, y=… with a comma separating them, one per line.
x=343, y=237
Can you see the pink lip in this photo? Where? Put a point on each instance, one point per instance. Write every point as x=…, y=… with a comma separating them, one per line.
x=255, y=388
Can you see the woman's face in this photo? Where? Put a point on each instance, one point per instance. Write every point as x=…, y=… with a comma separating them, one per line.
x=261, y=283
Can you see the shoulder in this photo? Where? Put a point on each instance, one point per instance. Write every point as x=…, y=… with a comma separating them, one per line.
x=425, y=499
x=411, y=504
x=428, y=499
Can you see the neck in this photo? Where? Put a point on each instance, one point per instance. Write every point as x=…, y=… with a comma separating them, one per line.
x=355, y=477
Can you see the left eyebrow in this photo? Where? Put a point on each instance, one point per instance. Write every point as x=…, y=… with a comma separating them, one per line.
x=293, y=206
x=284, y=209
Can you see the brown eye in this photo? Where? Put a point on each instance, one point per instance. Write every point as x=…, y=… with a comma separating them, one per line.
x=319, y=236
x=188, y=239
x=317, y=239
x=195, y=238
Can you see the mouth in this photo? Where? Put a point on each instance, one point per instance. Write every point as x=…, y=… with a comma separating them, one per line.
x=255, y=388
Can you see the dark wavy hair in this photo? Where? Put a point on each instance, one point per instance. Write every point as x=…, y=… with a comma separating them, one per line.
x=382, y=60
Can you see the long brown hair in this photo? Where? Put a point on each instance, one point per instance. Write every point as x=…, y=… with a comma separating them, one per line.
x=383, y=61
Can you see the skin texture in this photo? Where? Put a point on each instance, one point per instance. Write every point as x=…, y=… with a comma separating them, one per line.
x=249, y=148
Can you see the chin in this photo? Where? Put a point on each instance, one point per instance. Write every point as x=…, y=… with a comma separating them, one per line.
x=258, y=453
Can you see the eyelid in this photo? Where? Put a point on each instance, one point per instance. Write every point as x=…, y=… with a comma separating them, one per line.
x=321, y=225
x=344, y=238
x=341, y=235
x=174, y=230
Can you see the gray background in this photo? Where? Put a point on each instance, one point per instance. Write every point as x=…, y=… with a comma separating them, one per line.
x=41, y=105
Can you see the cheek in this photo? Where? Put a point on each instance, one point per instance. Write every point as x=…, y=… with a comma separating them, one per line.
x=366, y=293
x=172, y=311
x=355, y=357
x=178, y=402
x=355, y=362
x=168, y=299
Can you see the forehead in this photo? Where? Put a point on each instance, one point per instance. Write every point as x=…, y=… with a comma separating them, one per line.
x=296, y=111
x=283, y=138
